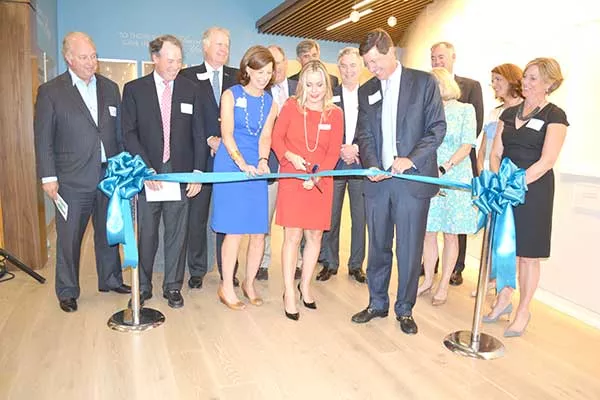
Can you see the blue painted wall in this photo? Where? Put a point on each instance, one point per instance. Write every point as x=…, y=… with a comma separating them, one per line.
x=122, y=29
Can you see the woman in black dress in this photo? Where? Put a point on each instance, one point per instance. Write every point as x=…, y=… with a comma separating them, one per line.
x=531, y=135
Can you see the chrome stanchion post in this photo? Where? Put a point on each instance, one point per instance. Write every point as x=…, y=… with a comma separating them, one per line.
x=135, y=318
x=473, y=343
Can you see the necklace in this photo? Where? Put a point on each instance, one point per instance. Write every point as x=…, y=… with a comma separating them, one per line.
x=261, y=120
x=318, y=132
x=528, y=116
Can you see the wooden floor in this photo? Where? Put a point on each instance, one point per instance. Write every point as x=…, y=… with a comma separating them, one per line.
x=205, y=351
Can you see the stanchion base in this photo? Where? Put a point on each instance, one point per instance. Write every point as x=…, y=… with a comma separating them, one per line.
x=122, y=321
x=460, y=342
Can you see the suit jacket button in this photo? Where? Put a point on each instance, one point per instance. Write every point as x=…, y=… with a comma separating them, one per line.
x=219, y=119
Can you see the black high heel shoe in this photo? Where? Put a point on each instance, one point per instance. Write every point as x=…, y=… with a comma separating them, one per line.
x=312, y=306
x=293, y=316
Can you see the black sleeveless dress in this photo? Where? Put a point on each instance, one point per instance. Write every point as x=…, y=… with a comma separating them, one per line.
x=533, y=219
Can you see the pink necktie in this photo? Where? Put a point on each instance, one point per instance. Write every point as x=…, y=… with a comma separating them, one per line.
x=165, y=113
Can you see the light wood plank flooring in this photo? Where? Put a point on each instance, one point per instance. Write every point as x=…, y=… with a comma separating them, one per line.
x=205, y=351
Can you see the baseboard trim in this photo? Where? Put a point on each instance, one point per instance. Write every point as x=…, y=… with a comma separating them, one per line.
x=566, y=306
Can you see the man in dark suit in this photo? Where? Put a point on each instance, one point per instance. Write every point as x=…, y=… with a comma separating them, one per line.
x=75, y=131
x=213, y=77
x=444, y=56
x=306, y=51
x=401, y=124
x=281, y=89
x=346, y=96
x=162, y=122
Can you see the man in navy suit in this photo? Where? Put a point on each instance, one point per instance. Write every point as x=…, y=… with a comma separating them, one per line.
x=162, y=122
x=346, y=96
x=76, y=130
x=401, y=124
x=213, y=77
x=443, y=55
x=281, y=89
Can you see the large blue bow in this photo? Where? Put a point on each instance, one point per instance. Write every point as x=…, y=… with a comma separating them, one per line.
x=124, y=179
x=498, y=194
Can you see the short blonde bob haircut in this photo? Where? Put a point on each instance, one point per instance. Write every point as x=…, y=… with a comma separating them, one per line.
x=549, y=71
x=449, y=89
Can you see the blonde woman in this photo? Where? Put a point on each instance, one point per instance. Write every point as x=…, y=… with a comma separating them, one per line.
x=451, y=212
x=307, y=137
x=531, y=134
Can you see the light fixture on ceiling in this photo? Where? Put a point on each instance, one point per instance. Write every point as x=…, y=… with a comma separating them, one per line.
x=354, y=16
x=347, y=20
x=362, y=3
x=392, y=21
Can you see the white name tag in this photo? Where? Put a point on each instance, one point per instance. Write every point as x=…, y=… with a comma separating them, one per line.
x=325, y=127
x=241, y=102
x=202, y=76
x=535, y=124
x=112, y=110
x=187, y=108
x=336, y=99
x=375, y=97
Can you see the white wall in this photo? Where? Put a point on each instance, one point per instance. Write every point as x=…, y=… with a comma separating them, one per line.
x=486, y=34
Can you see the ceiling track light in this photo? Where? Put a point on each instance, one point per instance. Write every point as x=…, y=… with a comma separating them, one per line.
x=347, y=20
x=362, y=3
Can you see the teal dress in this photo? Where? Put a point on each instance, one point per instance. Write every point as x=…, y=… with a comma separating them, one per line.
x=452, y=211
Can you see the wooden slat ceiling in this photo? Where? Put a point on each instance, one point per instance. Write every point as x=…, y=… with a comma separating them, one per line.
x=309, y=18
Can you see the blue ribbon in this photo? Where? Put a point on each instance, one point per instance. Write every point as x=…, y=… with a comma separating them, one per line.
x=494, y=193
x=498, y=194
x=124, y=179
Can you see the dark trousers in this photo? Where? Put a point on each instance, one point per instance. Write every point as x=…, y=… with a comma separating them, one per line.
x=389, y=208
x=69, y=235
x=175, y=219
x=462, y=238
x=331, y=239
x=197, y=250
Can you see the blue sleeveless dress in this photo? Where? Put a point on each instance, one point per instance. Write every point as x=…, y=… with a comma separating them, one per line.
x=242, y=207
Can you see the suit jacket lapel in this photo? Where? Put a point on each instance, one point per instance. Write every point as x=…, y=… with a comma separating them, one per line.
x=76, y=97
x=228, y=79
x=152, y=97
x=101, y=101
x=406, y=83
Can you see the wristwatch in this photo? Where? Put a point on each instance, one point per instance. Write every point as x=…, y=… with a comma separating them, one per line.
x=442, y=169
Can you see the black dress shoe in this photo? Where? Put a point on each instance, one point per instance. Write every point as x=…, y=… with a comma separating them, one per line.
x=123, y=289
x=368, y=314
x=143, y=297
x=407, y=324
x=68, y=305
x=325, y=274
x=312, y=306
x=262, y=274
x=456, y=279
x=174, y=298
x=195, y=282
x=358, y=275
x=298, y=273
x=323, y=262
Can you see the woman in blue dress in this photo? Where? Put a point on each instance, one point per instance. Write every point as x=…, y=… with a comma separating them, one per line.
x=452, y=211
x=247, y=116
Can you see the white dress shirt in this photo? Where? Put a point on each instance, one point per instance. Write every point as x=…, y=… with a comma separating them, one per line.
x=350, y=112
x=389, y=113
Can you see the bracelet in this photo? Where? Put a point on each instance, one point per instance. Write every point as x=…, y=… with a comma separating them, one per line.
x=442, y=170
x=235, y=155
x=263, y=159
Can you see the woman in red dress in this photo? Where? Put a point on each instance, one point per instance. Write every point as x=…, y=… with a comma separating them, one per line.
x=307, y=137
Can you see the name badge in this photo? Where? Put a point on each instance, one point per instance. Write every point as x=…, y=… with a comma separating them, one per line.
x=187, y=108
x=375, y=97
x=202, y=76
x=112, y=110
x=325, y=127
x=336, y=99
x=241, y=102
x=535, y=124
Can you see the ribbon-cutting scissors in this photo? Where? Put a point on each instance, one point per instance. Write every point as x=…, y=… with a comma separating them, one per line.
x=314, y=170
